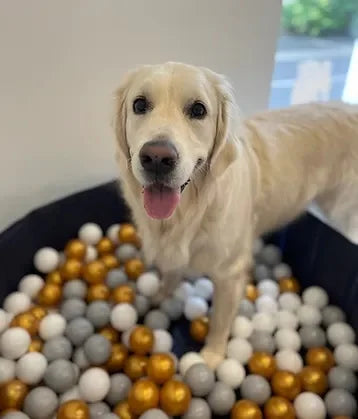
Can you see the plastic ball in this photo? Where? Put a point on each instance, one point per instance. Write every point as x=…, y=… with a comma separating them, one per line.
x=75, y=289
x=148, y=284
x=199, y=329
x=98, y=313
x=112, y=232
x=72, y=308
x=55, y=277
x=26, y=321
x=110, y=333
x=266, y=304
x=123, y=411
x=40, y=403
x=195, y=307
x=98, y=410
x=60, y=375
x=198, y=409
x=141, y=340
x=309, y=315
x=175, y=398
x=126, y=251
x=7, y=370
x=231, y=372
x=73, y=409
x=346, y=355
x=38, y=311
x=261, y=272
x=5, y=319
x=17, y=302
x=246, y=309
x=127, y=233
x=269, y=288
x=189, y=359
x=289, y=360
x=315, y=296
x=119, y=389
x=200, y=379
x=110, y=261
x=123, y=317
x=163, y=341
x=246, y=409
x=144, y=395
x=221, y=399
x=142, y=305
x=78, y=330
x=282, y=270
x=123, y=294
x=31, y=367
x=36, y=345
x=58, y=347
x=97, y=349
x=49, y=295
x=313, y=379
x=340, y=377
x=91, y=254
x=115, y=278
x=14, y=415
x=262, y=342
x=90, y=233
x=94, y=272
x=94, y=385
x=184, y=291
x=160, y=368
x=98, y=292
x=117, y=358
x=340, y=333
x=279, y=408
x=51, y=326
x=242, y=327
x=204, y=288
x=289, y=285
x=309, y=405
x=154, y=414
x=271, y=255
x=286, y=384
x=288, y=339
x=156, y=319
x=31, y=285
x=251, y=292
x=75, y=249
x=14, y=342
x=332, y=314
x=71, y=269
x=239, y=349
x=134, y=268
x=71, y=394
x=340, y=402
x=46, y=260
x=264, y=322
x=105, y=246
x=262, y=363
x=135, y=367
x=289, y=301
x=320, y=357
x=12, y=395
x=256, y=389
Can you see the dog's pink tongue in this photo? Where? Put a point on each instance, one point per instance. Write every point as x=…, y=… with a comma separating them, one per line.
x=160, y=201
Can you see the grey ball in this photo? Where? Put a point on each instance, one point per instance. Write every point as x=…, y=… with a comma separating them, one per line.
x=97, y=410
x=126, y=251
x=119, y=389
x=201, y=379
x=172, y=307
x=198, y=409
x=40, y=403
x=98, y=313
x=15, y=415
x=221, y=398
x=58, y=347
x=156, y=319
x=246, y=308
x=110, y=416
x=262, y=272
x=72, y=308
x=142, y=305
x=270, y=255
x=262, y=342
x=312, y=337
x=75, y=289
x=116, y=277
x=255, y=388
x=78, y=330
x=340, y=402
x=80, y=359
x=344, y=378
x=154, y=414
x=97, y=349
x=60, y=375
x=332, y=314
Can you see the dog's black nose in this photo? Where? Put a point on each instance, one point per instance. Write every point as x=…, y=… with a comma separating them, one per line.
x=158, y=157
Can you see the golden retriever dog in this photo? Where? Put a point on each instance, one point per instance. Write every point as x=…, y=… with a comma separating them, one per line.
x=203, y=183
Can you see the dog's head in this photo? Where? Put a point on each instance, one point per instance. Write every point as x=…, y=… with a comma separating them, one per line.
x=171, y=121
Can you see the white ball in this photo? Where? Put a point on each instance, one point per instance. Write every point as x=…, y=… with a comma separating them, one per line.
x=31, y=285
x=31, y=368
x=184, y=291
x=126, y=336
x=289, y=360
x=90, y=233
x=231, y=372
x=286, y=320
x=309, y=405
x=339, y=333
x=309, y=315
x=17, y=302
x=91, y=254
x=94, y=385
x=282, y=270
x=289, y=301
x=266, y=304
x=14, y=342
x=346, y=355
x=315, y=296
x=7, y=370
x=71, y=394
x=163, y=341
x=51, y=326
x=288, y=339
x=4, y=320
x=188, y=360
x=264, y=322
x=204, y=288
x=123, y=317
x=195, y=307
x=242, y=327
x=112, y=233
x=148, y=284
x=239, y=349
x=269, y=287
x=46, y=260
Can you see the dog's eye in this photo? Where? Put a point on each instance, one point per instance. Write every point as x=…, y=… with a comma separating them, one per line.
x=140, y=105
x=197, y=110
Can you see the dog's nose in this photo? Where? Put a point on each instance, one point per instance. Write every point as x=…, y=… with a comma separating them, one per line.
x=159, y=157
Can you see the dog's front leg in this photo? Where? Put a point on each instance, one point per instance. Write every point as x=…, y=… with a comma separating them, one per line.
x=170, y=281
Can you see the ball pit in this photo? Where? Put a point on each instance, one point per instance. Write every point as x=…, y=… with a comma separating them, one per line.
x=82, y=338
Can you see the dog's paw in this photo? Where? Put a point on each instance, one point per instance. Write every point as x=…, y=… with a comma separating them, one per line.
x=159, y=297
x=211, y=357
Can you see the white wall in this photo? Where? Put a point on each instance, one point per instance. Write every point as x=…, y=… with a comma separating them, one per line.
x=61, y=60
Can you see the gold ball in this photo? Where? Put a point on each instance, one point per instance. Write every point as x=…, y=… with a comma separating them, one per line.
x=49, y=295
x=123, y=294
x=12, y=395
x=35, y=345
x=110, y=333
x=75, y=249
x=175, y=398
x=123, y=411
x=246, y=409
x=161, y=368
x=199, y=329
x=71, y=269
x=39, y=312
x=279, y=408
x=94, y=272
x=136, y=367
x=289, y=285
x=143, y=395
x=313, y=379
x=73, y=409
x=26, y=321
x=320, y=357
x=286, y=384
x=110, y=261
x=251, y=292
x=54, y=277
x=134, y=268
x=117, y=359
x=141, y=340
x=98, y=292
x=262, y=363
x=127, y=234
x=105, y=246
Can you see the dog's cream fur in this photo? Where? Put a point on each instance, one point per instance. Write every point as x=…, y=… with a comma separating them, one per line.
x=259, y=174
